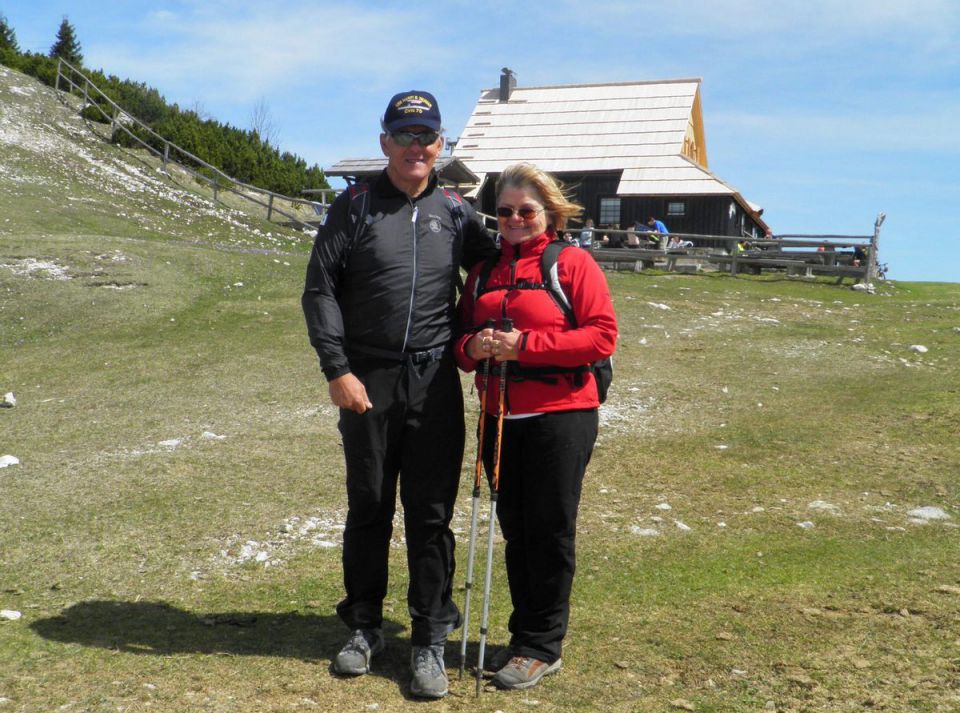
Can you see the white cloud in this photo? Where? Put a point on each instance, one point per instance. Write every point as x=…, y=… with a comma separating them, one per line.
x=246, y=54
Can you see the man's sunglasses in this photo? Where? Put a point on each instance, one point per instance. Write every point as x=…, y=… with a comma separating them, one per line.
x=405, y=138
x=526, y=213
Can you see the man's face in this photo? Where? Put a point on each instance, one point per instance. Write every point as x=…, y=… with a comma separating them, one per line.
x=410, y=166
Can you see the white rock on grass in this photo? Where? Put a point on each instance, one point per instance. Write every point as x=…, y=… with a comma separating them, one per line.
x=823, y=505
x=211, y=436
x=8, y=460
x=9, y=400
x=10, y=614
x=918, y=348
x=806, y=525
x=927, y=513
x=644, y=531
x=171, y=443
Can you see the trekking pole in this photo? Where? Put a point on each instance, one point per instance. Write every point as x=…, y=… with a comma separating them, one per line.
x=506, y=326
x=477, y=479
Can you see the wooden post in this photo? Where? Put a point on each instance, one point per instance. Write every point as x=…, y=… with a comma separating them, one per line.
x=270, y=207
x=872, y=257
x=59, y=65
x=166, y=154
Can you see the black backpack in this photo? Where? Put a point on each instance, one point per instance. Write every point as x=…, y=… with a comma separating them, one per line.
x=602, y=369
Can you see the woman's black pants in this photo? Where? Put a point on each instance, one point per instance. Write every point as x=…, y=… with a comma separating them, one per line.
x=542, y=462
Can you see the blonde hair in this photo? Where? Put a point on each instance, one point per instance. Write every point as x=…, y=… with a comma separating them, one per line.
x=558, y=206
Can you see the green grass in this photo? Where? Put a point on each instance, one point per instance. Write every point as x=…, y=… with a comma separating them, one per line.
x=741, y=406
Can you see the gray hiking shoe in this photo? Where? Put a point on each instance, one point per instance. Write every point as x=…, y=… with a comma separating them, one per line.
x=354, y=657
x=524, y=672
x=429, y=673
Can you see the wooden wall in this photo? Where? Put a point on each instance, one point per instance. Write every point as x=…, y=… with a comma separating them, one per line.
x=703, y=215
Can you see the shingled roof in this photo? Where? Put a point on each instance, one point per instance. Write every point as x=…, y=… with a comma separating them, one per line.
x=651, y=131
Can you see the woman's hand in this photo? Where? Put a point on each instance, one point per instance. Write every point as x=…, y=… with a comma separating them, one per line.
x=504, y=345
x=480, y=345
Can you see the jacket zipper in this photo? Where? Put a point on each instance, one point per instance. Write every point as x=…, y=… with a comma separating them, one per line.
x=413, y=279
x=513, y=280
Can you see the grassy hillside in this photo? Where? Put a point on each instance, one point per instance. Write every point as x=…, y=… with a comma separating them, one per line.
x=769, y=521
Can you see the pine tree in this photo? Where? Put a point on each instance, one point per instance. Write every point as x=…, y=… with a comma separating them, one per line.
x=67, y=45
x=8, y=38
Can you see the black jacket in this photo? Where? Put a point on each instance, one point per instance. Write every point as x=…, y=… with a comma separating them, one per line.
x=395, y=287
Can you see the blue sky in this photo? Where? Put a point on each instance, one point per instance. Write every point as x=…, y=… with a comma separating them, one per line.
x=824, y=112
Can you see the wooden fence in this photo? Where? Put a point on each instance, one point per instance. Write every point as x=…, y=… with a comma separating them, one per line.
x=839, y=256
x=120, y=120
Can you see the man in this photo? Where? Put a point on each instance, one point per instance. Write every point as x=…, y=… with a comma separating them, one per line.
x=586, y=235
x=379, y=305
x=657, y=226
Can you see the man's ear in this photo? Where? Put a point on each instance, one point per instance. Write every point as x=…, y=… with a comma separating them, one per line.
x=383, y=144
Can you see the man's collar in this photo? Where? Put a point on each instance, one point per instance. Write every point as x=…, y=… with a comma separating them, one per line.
x=386, y=188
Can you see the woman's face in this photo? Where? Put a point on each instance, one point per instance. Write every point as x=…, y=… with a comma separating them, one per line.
x=516, y=228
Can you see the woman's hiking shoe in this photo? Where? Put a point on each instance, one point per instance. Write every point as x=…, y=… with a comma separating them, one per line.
x=354, y=657
x=496, y=662
x=524, y=672
x=429, y=673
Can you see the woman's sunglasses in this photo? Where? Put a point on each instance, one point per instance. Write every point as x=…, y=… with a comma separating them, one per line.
x=526, y=213
x=405, y=138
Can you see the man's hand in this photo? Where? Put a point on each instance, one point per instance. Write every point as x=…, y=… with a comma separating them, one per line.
x=348, y=392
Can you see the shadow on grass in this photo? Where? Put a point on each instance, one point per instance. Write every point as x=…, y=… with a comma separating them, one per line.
x=161, y=629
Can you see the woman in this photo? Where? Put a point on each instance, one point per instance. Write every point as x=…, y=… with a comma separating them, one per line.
x=550, y=406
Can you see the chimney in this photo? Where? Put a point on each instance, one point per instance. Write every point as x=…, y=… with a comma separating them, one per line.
x=508, y=82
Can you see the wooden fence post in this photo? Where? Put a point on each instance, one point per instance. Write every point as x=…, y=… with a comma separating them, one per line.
x=872, y=257
x=270, y=207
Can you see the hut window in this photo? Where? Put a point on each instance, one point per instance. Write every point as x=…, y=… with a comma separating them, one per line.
x=609, y=211
x=677, y=208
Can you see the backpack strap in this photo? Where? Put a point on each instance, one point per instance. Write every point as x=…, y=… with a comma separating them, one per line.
x=549, y=276
x=456, y=212
x=359, y=217
x=480, y=287
x=551, y=279
x=456, y=209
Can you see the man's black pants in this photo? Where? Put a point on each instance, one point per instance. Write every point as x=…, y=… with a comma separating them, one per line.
x=413, y=434
x=542, y=462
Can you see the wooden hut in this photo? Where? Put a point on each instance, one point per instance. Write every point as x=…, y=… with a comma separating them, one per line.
x=631, y=150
